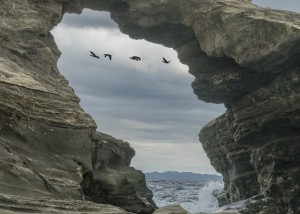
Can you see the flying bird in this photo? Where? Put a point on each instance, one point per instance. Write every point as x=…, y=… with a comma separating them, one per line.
x=109, y=56
x=135, y=58
x=165, y=61
x=94, y=55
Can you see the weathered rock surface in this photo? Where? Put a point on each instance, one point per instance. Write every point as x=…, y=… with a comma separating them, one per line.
x=171, y=209
x=241, y=55
x=46, y=146
x=255, y=144
x=10, y=204
x=112, y=181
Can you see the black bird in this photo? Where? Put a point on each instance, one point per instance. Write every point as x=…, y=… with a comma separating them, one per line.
x=109, y=56
x=94, y=55
x=135, y=58
x=165, y=61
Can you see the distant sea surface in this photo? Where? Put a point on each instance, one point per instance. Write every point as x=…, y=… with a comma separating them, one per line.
x=194, y=196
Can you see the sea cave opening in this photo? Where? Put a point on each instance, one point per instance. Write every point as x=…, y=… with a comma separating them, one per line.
x=147, y=103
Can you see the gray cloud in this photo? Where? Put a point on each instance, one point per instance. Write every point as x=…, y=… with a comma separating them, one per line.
x=89, y=19
x=149, y=104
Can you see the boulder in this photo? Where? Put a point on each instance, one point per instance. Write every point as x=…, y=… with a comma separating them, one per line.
x=171, y=209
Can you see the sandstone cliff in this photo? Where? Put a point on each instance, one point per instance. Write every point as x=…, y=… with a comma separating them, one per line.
x=241, y=55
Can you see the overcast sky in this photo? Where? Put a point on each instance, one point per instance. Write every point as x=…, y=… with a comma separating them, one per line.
x=149, y=104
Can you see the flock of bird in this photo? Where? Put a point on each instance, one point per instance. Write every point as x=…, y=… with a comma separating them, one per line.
x=133, y=57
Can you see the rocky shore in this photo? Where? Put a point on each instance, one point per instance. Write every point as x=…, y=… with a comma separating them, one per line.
x=247, y=57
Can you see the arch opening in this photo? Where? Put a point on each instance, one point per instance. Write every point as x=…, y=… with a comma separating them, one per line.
x=148, y=103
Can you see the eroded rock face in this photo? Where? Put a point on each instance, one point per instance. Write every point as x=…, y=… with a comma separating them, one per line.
x=42, y=127
x=112, y=180
x=255, y=144
x=241, y=55
x=13, y=204
x=46, y=144
x=174, y=209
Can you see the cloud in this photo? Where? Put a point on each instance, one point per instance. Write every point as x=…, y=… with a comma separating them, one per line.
x=148, y=103
x=89, y=19
x=174, y=157
x=139, y=125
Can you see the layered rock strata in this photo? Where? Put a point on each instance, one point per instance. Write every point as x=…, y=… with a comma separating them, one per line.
x=255, y=144
x=112, y=181
x=13, y=204
x=174, y=209
x=241, y=55
x=46, y=139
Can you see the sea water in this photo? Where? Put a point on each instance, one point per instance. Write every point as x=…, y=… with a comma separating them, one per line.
x=194, y=196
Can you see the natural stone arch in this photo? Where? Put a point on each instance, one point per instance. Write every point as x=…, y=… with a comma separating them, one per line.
x=37, y=99
x=263, y=54
x=201, y=33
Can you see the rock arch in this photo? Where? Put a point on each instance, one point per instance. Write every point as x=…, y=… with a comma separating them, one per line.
x=241, y=55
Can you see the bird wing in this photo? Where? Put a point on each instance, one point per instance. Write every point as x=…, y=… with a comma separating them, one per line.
x=164, y=59
x=93, y=53
x=109, y=57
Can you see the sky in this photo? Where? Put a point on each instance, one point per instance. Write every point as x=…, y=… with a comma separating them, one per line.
x=148, y=103
x=291, y=5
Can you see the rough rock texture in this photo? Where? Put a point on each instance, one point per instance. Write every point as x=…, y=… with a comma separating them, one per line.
x=11, y=204
x=171, y=209
x=46, y=147
x=241, y=55
x=44, y=133
x=112, y=180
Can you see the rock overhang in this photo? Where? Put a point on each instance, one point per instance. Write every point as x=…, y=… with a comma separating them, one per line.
x=226, y=44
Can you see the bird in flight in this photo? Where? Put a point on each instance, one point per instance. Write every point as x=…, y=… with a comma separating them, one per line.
x=165, y=61
x=94, y=55
x=135, y=58
x=109, y=56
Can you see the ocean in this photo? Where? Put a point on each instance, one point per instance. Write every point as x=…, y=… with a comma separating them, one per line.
x=194, y=196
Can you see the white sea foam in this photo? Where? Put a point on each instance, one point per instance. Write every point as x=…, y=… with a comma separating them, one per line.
x=206, y=201
x=194, y=196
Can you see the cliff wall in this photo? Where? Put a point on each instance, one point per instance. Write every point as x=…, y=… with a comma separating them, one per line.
x=48, y=143
x=241, y=55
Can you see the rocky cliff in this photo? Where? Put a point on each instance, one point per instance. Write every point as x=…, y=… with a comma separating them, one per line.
x=241, y=55
x=48, y=144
